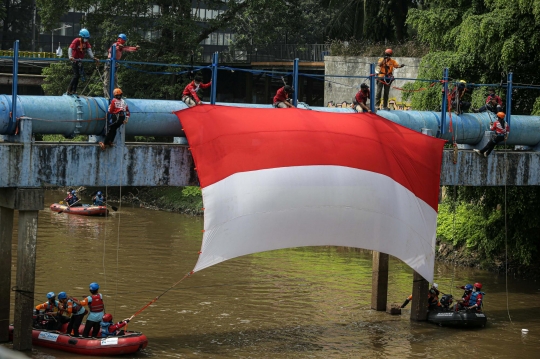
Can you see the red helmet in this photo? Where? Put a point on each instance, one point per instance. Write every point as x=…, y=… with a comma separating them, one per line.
x=478, y=285
x=388, y=52
x=107, y=317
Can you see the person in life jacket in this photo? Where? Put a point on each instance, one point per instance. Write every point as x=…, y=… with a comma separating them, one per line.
x=360, y=99
x=492, y=94
x=72, y=200
x=76, y=311
x=502, y=129
x=189, y=95
x=76, y=51
x=456, y=98
x=477, y=296
x=433, y=297
x=98, y=199
x=283, y=97
x=96, y=309
x=119, y=115
x=464, y=301
x=109, y=329
x=121, y=47
x=50, y=308
x=386, y=66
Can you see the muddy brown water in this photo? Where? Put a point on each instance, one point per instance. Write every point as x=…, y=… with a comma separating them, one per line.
x=296, y=303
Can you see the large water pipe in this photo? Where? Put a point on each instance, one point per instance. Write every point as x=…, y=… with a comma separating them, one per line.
x=70, y=115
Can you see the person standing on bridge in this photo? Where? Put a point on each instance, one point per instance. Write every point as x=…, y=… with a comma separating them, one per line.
x=502, y=129
x=386, y=66
x=360, y=99
x=118, y=115
x=76, y=52
x=283, y=97
x=189, y=95
x=121, y=47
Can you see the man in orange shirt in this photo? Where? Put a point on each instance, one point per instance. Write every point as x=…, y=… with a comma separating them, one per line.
x=385, y=78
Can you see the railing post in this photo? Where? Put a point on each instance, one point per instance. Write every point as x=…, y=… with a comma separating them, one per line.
x=214, y=79
x=15, y=81
x=112, y=72
x=509, y=98
x=442, y=125
x=372, y=87
x=295, y=82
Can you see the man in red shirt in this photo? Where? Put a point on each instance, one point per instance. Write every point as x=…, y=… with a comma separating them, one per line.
x=121, y=47
x=360, y=99
x=492, y=94
x=76, y=52
x=119, y=115
x=502, y=129
x=282, y=97
x=189, y=95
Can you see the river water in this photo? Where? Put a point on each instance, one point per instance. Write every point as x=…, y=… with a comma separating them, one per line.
x=297, y=303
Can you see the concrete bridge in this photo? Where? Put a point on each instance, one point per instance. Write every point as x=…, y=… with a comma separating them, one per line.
x=26, y=166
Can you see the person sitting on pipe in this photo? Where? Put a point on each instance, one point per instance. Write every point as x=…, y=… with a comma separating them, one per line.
x=118, y=115
x=109, y=329
x=502, y=129
x=492, y=94
x=283, y=97
x=189, y=95
x=491, y=106
x=360, y=99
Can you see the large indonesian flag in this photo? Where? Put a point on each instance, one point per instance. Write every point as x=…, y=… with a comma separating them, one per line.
x=280, y=178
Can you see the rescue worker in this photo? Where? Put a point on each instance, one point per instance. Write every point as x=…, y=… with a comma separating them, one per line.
x=433, y=297
x=50, y=308
x=491, y=106
x=456, y=98
x=109, y=329
x=77, y=312
x=72, y=200
x=462, y=303
x=283, y=97
x=492, y=94
x=502, y=129
x=76, y=51
x=189, y=95
x=96, y=309
x=360, y=99
x=118, y=115
x=99, y=199
x=121, y=47
x=475, y=301
x=385, y=77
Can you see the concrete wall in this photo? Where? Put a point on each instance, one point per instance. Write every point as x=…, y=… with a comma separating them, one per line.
x=339, y=89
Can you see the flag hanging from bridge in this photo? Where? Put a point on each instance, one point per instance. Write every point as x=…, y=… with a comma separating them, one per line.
x=281, y=178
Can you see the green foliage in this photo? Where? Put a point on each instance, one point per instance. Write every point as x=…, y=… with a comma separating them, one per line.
x=192, y=191
x=180, y=199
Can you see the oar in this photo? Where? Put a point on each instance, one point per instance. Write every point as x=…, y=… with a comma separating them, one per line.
x=114, y=208
x=69, y=206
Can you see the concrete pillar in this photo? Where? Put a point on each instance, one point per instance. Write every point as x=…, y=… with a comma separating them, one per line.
x=6, y=233
x=419, y=299
x=379, y=281
x=26, y=274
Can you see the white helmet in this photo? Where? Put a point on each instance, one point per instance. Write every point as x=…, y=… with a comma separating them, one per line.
x=435, y=285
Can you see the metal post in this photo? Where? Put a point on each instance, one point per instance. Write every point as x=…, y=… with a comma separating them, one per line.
x=213, y=93
x=52, y=40
x=13, y=120
x=295, y=82
x=509, y=98
x=112, y=72
x=442, y=125
x=372, y=87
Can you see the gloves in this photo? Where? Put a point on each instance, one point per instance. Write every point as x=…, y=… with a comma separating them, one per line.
x=126, y=320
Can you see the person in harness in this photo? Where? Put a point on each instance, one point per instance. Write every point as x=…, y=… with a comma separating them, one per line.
x=189, y=95
x=76, y=51
x=502, y=129
x=492, y=94
x=72, y=307
x=121, y=47
x=456, y=98
x=492, y=106
x=360, y=99
x=119, y=115
x=386, y=66
x=283, y=97
x=98, y=199
x=475, y=301
x=109, y=329
x=97, y=310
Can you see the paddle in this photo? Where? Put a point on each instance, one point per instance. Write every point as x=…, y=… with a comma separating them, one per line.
x=69, y=206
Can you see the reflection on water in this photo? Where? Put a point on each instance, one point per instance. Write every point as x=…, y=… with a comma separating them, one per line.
x=295, y=303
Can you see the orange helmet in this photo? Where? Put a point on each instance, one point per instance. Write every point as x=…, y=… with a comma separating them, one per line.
x=501, y=115
x=107, y=318
x=117, y=92
x=388, y=52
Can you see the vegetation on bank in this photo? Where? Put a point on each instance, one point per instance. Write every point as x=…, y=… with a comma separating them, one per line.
x=187, y=200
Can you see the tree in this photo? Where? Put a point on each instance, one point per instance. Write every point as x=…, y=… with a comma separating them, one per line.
x=16, y=22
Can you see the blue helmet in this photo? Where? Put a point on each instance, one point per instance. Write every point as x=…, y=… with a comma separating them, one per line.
x=73, y=192
x=469, y=287
x=62, y=295
x=84, y=34
x=123, y=37
x=50, y=295
x=99, y=193
x=94, y=286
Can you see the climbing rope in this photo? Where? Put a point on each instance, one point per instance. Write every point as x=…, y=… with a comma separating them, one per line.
x=506, y=229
